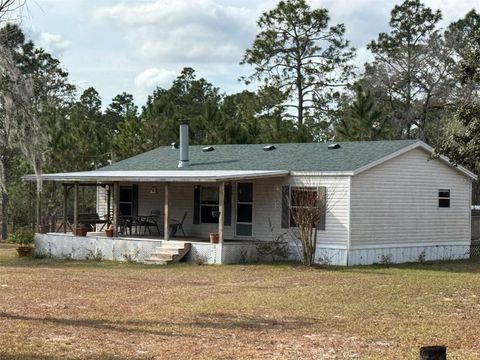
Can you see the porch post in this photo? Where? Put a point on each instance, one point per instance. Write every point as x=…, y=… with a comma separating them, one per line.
x=39, y=209
x=30, y=207
x=109, y=205
x=116, y=197
x=75, y=208
x=65, y=194
x=221, y=209
x=166, y=225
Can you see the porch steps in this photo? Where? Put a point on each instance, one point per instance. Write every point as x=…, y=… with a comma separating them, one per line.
x=169, y=252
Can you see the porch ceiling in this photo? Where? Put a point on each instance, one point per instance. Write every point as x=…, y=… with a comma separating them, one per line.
x=159, y=176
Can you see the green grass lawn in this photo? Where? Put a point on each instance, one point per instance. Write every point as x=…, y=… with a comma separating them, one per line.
x=51, y=309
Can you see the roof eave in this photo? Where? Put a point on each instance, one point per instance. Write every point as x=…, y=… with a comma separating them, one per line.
x=321, y=173
x=64, y=177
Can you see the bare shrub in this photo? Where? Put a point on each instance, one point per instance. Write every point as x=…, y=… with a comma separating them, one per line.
x=307, y=211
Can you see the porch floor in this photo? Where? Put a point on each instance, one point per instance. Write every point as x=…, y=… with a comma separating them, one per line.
x=154, y=237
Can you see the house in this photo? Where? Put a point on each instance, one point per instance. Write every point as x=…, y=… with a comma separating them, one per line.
x=385, y=201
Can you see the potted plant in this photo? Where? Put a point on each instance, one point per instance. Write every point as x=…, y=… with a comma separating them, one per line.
x=109, y=231
x=81, y=231
x=24, y=238
x=214, y=238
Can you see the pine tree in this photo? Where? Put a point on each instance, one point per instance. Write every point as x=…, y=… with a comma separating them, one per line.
x=363, y=120
x=299, y=53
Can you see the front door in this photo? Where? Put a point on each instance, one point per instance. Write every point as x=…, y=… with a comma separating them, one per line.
x=244, y=223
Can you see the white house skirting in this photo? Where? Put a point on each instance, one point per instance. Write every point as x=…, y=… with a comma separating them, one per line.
x=67, y=246
x=385, y=255
x=396, y=255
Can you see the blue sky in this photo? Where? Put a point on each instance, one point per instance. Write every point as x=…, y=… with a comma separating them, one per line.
x=136, y=45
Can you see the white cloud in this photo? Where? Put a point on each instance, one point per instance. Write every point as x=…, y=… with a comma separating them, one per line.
x=184, y=31
x=135, y=45
x=149, y=79
x=53, y=43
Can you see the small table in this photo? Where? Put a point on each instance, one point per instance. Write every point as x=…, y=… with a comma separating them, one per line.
x=126, y=221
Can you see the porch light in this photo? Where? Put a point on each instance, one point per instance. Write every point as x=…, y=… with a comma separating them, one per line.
x=153, y=189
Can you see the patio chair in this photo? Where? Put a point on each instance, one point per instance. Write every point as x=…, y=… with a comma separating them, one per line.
x=176, y=225
x=152, y=220
x=125, y=224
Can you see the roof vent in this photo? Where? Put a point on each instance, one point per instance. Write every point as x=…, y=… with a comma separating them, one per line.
x=174, y=146
x=334, y=146
x=269, y=148
x=208, y=149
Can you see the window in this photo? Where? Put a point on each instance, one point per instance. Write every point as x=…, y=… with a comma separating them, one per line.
x=209, y=204
x=444, y=198
x=126, y=200
x=304, y=206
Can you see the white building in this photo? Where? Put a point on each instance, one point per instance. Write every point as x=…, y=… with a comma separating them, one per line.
x=386, y=201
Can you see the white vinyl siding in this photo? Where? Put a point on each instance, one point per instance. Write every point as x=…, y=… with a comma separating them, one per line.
x=101, y=201
x=268, y=203
x=396, y=203
x=181, y=200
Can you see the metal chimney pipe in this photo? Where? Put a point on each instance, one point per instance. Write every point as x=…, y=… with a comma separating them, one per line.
x=184, y=160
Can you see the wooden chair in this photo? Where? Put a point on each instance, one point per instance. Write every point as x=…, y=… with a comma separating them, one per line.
x=176, y=225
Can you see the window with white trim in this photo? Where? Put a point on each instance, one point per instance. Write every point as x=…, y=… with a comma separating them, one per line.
x=444, y=198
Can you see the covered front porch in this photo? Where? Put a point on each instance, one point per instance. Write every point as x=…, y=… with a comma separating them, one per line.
x=97, y=246
x=146, y=209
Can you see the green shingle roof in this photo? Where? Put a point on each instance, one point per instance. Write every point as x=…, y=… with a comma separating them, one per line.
x=292, y=157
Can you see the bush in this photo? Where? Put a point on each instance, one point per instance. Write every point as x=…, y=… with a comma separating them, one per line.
x=22, y=237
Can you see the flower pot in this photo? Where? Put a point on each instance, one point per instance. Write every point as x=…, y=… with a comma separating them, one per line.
x=215, y=214
x=109, y=232
x=24, y=250
x=214, y=238
x=81, y=231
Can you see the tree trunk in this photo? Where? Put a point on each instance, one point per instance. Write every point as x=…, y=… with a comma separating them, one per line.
x=300, y=94
x=4, y=215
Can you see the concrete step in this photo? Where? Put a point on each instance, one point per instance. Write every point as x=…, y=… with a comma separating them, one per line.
x=170, y=251
x=173, y=251
x=156, y=262
x=160, y=256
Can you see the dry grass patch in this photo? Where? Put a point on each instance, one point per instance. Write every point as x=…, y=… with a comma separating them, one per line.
x=91, y=310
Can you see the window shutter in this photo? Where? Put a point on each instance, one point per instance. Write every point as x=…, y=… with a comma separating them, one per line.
x=196, y=204
x=135, y=199
x=228, y=205
x=285, y=207
x=322, y=207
